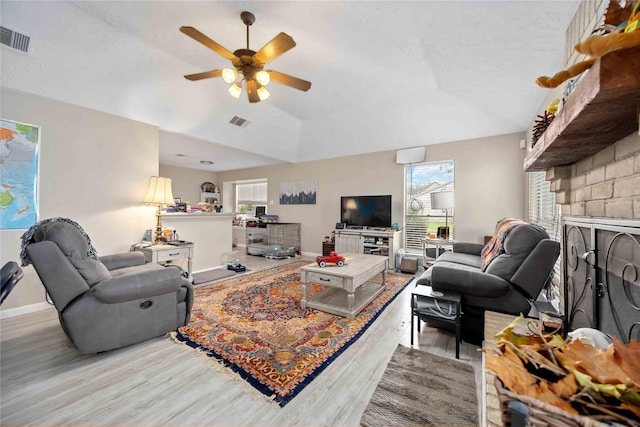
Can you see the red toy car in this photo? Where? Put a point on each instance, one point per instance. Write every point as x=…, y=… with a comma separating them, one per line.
x=332, y=258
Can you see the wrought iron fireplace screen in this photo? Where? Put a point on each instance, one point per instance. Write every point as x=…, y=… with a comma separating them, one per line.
x=601, y=260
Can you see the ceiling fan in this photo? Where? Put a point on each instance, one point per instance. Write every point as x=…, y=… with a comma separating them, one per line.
x=249, y=64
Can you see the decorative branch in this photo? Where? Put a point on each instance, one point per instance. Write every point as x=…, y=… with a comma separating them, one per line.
x=541, y=124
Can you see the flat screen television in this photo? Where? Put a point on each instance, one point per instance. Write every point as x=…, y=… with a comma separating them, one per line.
x=366, y=211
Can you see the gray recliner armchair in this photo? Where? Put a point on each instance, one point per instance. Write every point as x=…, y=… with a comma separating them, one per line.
x=108, y=302
x=506, y=275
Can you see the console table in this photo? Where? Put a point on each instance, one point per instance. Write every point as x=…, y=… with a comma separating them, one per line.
x=383, y=243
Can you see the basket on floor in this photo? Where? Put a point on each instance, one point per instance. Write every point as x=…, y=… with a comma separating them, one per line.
x=538, y=413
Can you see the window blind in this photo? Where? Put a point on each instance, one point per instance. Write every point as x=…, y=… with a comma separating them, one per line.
x=544, y=212
x=253, y=193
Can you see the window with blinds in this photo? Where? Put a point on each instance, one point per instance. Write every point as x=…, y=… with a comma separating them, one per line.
x=250, y=194
x=420, y=218
x=544, y=212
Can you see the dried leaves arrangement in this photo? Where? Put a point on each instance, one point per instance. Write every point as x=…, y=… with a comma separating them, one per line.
x=575, y=377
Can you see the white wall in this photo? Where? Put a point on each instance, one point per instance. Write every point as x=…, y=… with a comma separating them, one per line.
x=185, y=183
x=94, y=169
x=489, y=185
x=211, y=235
x=489, y=182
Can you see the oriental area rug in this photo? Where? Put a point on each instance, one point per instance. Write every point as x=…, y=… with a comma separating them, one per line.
x=422, y=389
x=254, y=326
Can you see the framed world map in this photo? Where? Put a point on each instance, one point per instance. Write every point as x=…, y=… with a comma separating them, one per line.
x=19, y=145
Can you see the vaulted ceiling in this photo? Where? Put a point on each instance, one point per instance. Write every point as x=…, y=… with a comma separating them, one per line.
x=385, y=74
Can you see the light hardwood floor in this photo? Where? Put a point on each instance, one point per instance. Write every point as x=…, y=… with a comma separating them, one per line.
x=44, y=381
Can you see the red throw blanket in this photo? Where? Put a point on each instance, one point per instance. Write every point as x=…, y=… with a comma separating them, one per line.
x=494, y=247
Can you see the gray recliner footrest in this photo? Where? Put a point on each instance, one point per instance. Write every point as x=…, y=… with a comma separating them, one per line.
x=467, y=280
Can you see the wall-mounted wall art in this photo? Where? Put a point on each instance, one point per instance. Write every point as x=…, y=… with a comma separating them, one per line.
x=298, y=192
x=19, y=174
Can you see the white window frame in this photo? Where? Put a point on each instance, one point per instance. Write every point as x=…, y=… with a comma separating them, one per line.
x=419, y=218
x=545, y=212
x=250, y=194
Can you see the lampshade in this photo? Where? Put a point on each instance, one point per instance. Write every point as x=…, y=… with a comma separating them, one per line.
x=263, y=93
x=235, y=90
x=263, y=77
x=229, y=75
x=442, y=200
x=159, y=192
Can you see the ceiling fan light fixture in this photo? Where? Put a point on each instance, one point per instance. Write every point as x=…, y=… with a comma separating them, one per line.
x=235, y=90
x=247, y=65
x=229, y=75
x=263, y=93
x=263, y=77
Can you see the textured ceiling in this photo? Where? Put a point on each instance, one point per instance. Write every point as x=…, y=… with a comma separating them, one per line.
x=385, y=74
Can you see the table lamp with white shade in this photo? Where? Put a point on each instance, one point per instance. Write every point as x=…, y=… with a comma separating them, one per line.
x=159, y=193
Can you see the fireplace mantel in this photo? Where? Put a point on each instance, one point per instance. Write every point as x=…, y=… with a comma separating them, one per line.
x=602, y=109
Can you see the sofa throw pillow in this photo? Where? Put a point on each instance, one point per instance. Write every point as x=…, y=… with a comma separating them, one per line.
x=494, y=247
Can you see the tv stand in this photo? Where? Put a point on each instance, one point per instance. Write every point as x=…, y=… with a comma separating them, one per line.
x=374, y=242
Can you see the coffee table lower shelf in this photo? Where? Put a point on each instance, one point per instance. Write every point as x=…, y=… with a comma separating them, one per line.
x=335, y=301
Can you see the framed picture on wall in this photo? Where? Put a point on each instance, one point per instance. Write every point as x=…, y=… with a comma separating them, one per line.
x=298, y=192
x=18, y=189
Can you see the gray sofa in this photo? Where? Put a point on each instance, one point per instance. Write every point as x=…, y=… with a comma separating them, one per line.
x=505, y=275
x=108, y=302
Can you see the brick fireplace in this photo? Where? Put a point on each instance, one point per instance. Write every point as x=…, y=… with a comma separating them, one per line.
x=590, y=153
x=591, y=156
x=600, y=202
x=605, y=185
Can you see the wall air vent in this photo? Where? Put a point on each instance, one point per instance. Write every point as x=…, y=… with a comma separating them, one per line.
x=239, y=121
x=14, y=39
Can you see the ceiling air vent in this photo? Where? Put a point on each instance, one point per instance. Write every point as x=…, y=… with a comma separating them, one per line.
x=239, y=121
x=13, y=39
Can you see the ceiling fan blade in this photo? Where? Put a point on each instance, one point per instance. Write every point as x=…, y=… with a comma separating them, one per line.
x=205, y=75
x=288, y=80
x=199, y=37
x=252, y=90
x=276, y=47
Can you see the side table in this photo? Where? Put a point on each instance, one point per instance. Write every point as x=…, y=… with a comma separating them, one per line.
x=440, y=246
x=444, y=307
x=169, y=254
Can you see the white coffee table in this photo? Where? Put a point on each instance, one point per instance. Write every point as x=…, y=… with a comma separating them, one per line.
x=348, y=289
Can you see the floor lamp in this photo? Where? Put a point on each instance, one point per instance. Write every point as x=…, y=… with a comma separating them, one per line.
x=159, y=193
x=443, y=200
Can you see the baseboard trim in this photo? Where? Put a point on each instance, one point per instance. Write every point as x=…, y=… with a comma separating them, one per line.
x=25, y=309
